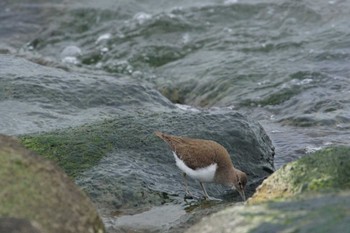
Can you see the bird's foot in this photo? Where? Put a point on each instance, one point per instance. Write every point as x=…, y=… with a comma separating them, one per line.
x=208, y=198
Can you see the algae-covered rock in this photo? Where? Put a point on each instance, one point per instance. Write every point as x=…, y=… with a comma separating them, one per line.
x=311, y=194
x=323, y=213
x=123, y=165
x=36, y=193
x=18, y=225
x=323, y=171
x=99, y=129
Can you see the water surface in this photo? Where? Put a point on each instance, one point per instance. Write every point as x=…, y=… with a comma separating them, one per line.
x=282, y=63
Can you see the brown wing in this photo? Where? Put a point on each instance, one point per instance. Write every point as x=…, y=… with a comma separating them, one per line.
x=197, y=153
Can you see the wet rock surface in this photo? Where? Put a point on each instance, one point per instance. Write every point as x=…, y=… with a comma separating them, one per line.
x=41, y=98
x=325, y=171
x=18, y=225
x=74, y=68
x=99, y=129
x=322, y=213
x=308, y=195
x=38, y=196
x=125, y=169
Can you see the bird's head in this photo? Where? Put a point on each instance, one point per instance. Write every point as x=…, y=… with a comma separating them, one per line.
x=240, y=182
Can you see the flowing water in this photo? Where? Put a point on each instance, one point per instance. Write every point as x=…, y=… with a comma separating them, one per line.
x=284, y=63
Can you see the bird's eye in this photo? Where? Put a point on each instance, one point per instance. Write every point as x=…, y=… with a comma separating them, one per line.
x=239, y=183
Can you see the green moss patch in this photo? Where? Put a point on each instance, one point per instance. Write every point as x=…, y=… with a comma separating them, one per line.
x=34, y=189
x=320, y=213
x=327, y=170
x=74, y=149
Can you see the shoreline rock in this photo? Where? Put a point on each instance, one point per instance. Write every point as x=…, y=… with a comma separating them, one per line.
x=126, y=169
x=309, y=195
x=35, y=192
x=327, y=170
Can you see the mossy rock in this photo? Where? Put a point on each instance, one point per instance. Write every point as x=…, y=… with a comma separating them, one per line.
x=80, y=148
x=18, y=225
x=309, y=214
x=327, y=170
x=310, y=195
x=124, y=167
x=37, y=191
x=73, y=149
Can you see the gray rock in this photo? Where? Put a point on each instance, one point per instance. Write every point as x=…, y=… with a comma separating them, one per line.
x=99, y=129
x=37, y=97
x=38, y=196
x=131, y=168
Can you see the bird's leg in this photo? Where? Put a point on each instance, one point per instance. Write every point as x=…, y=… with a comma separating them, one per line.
x=188, y=193
x=204, y=191
x=206, y=194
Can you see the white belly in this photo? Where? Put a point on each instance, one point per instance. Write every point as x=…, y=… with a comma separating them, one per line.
x=205, y=174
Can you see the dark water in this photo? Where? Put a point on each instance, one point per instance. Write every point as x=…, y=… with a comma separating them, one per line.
x=284, y=63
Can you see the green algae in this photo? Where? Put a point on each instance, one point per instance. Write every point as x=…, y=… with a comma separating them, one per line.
x=35, y=189
x=75, y=150
x=327, y=170
x=80, y=148
x=309, y=195
x=320, y=213
x=317, y=213
x=125, y=168
x=12, y=196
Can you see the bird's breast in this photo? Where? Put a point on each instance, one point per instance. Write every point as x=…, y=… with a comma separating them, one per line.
x=203, y=174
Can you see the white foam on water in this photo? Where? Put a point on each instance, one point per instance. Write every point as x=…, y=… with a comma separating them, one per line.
x=311, y=149
x=104, y=50
x=71, y=51
x=229, y=2
x=305, y=81
x=69, y=55
x=185, y=38
x=187, y=107
x=142, y=17
x=70, y=60
x=103, y=37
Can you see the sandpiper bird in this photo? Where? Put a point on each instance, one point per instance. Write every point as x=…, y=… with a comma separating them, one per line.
x=206, y=161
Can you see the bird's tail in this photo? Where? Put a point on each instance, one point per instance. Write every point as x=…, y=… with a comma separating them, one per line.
x=159, y=134
x=171, y=140
x=165, y=137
